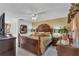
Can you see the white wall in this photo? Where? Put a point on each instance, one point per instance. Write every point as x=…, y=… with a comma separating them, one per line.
x=14, y=27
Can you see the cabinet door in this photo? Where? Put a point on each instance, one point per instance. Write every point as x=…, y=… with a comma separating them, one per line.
x=7, y=46
x=77, y=23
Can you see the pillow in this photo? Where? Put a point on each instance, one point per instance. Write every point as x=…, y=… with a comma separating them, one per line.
x=39, y=33
x=57, y=35
x=42, y=33
x=63, y=42
x=47, y=33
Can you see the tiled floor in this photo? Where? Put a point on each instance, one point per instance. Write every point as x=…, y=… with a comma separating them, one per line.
x=51, y=51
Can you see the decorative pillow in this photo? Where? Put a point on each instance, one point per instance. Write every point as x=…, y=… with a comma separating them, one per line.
x=57, y=35
x=47, y=33
x=63, y=42
x=39, y=33
x=42, y=33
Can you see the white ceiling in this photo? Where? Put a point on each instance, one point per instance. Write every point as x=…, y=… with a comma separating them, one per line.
x=21, y=10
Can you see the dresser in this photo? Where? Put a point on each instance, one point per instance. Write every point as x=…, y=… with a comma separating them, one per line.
x=7, y=46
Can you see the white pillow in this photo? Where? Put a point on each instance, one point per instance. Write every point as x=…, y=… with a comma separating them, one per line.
x=57, y=35
x=63, y=42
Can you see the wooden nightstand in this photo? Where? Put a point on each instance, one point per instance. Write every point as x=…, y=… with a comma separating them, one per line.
x=54, y=40
x=63, y=50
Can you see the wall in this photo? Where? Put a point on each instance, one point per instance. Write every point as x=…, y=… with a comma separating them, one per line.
x=14, y=28
x=13, y=22
x=52, y=22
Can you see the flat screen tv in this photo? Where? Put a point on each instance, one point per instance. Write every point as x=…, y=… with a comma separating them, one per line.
x=2, y=24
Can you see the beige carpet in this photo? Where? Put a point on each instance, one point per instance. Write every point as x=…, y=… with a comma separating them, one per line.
x=51, y=51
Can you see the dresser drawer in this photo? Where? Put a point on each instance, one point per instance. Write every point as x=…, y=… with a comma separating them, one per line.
x=6, y=44
x=10, y=52
x=7, y=47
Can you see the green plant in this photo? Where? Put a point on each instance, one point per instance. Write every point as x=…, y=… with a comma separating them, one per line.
x=63, y=30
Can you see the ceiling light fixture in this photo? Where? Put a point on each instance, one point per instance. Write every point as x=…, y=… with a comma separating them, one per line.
x=34, y=17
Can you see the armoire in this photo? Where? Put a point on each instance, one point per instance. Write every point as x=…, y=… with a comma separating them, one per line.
x=73, y=21
x=73, y=26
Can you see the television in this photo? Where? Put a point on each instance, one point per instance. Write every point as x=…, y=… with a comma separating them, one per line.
x=2, y=24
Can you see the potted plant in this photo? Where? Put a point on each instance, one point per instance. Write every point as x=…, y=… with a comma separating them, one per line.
x=63, y=30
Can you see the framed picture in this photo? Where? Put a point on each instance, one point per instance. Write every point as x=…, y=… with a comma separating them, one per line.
x=7, y=28
x=23, y=29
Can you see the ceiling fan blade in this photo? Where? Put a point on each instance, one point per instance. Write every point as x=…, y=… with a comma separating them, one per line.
x=28, y=13
x=43, y=12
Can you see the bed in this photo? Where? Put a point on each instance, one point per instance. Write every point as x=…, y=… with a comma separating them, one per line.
x=37, y=43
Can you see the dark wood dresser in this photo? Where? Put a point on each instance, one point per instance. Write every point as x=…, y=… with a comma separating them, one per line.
x=7, y=46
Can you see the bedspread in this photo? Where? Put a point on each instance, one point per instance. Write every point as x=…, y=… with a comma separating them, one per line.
x=44, y=42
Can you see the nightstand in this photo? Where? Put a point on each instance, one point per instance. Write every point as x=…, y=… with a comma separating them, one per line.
x=54, y=40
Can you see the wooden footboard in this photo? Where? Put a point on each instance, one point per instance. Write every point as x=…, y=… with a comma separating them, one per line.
x=31, y=45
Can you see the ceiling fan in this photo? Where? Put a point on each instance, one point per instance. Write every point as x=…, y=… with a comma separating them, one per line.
x=35, y=13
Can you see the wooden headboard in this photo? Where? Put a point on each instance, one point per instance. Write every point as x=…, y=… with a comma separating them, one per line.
x=44, y=28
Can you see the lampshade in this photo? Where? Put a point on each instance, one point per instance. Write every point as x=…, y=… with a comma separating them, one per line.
x=34, y=18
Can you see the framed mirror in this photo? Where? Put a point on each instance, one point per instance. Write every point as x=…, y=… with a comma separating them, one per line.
x=7, y=28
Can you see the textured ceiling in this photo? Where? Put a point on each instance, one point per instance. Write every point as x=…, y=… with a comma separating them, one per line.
x=21, y=10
